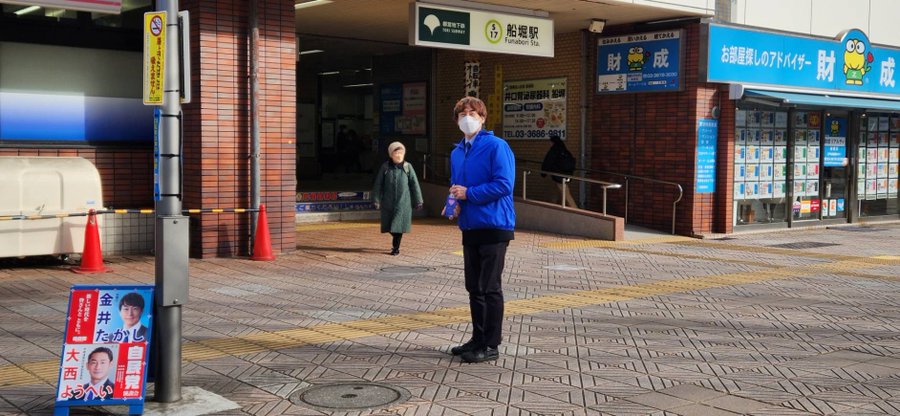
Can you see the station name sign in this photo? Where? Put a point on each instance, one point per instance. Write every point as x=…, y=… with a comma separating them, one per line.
x=479, y=30
x=101, y=6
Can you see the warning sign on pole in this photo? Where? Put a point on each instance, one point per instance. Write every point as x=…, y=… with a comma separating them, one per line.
x=154, y=56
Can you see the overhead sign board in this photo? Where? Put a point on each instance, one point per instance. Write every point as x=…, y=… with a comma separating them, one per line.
x=639, y=62
x=847, y=63
x=154, y=56
x=101, y=6
x=479, y=30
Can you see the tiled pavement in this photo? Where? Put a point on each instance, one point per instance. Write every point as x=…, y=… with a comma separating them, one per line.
x=787, y=323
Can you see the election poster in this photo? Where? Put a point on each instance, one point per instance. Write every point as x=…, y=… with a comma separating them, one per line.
x=106, y=345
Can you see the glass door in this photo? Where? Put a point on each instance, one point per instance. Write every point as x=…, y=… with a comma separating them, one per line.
x=805, y=165
x=835, y=167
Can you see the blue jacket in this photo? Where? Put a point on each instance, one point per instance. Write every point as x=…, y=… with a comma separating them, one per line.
x=489, y=174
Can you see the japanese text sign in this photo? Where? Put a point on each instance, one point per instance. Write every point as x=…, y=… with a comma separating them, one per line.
x=849, y=63
x=154, y=57
x=707, y=133
x=534, y=109
x=479, y=30
x=835, y=141
x=106, y=345
x=639, y=62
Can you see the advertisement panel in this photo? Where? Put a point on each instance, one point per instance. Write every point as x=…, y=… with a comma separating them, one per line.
x=639, y=62
x=849, y=63
x=534, y=109
x=100, y=6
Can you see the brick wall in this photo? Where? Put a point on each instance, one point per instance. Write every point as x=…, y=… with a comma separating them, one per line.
x=450, y=88
x=655, y=135
x=217, y=126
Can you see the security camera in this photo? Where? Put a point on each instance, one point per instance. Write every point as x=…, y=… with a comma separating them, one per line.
x=597, y=26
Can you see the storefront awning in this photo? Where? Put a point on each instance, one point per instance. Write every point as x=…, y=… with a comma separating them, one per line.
x=831, y=101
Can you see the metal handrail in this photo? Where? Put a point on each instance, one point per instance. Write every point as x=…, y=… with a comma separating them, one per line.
x=627, y=177
x=643, y=178
x=565, y=181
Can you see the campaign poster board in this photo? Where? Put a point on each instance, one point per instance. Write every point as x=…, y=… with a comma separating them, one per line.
x=105, y=347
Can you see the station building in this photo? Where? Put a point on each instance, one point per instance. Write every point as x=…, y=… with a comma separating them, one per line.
x=719, y=116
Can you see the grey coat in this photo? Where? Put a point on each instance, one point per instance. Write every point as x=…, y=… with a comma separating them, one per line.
x=397, y=190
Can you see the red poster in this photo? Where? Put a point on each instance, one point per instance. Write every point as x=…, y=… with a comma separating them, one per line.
x=814, y=205
x=82, y=309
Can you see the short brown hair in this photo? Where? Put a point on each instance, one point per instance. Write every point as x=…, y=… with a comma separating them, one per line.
x=474, y=103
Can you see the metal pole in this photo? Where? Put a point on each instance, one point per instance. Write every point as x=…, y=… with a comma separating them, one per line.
x=425, y=167
x=626, y=200
x=565, y=183
x=604, y=200
x=524, y=183
x=171, y=226
x=254, y=120
x=585, y=85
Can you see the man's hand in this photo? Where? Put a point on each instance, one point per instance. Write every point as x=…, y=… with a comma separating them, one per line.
x=377, y=205
x=458, y=192
x=419, y=206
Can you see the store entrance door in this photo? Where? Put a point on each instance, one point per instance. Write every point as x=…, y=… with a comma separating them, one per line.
x=835, y=168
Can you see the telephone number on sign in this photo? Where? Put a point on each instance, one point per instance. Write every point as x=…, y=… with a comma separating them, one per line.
x=533, y=134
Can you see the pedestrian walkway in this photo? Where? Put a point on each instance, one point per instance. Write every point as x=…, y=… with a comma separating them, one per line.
x=789, y=323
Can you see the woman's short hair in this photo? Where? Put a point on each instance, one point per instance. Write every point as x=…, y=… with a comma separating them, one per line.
x=473, y=103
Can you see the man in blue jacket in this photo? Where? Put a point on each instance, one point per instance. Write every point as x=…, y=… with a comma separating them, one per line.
x=482, y=171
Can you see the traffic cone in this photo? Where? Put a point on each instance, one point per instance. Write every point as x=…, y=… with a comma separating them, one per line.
x=91, y=257
x=262, y=245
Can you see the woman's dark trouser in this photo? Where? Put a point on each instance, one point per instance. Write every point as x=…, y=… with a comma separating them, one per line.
x=395, y=241
x=484, y=267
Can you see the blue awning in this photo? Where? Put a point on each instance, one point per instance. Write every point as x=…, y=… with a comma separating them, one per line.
x=832, y=101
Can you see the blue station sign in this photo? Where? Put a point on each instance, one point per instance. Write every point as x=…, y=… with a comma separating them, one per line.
x=848, y=63
x=639, y=62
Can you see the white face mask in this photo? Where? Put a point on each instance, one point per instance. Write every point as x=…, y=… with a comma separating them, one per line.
x=469, y=125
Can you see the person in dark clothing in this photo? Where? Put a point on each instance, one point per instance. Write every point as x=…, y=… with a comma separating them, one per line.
x=395, y=192
x=559, y=159
x=482, y=171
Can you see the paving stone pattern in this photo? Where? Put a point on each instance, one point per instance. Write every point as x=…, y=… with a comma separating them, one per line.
x=761, y=324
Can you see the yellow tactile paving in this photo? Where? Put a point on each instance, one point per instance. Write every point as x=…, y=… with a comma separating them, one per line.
x=46, y=371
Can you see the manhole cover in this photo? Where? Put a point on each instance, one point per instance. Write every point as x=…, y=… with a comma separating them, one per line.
x=857, y=229
x=804, y=244
x=350, y=396
x=406, y=269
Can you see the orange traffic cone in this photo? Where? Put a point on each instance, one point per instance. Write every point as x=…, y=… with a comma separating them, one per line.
x=262, y=245
x=91, y=257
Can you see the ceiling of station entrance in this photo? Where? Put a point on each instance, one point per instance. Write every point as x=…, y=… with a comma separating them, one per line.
x=387, y=20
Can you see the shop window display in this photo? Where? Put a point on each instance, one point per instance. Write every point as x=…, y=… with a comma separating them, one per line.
x=760, y=166
x=879, y=165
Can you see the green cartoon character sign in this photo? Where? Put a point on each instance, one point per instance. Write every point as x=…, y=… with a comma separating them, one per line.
x=857, y=56
x=637, y=56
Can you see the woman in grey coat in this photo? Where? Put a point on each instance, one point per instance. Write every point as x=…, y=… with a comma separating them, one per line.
x=395, y=193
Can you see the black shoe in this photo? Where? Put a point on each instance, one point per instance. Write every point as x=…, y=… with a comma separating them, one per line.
x=468, y=346
x=480, y=355
x=395, y=251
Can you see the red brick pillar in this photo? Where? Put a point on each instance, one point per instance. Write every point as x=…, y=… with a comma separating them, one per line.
x=217, y=124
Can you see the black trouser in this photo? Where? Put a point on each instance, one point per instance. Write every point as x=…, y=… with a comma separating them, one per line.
x=484, y=267
x=395, y=241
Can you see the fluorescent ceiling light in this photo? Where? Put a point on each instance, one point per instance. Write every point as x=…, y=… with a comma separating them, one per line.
x=311, y=51
x=330, y=73
x=310, y=3
x=26, y=10
x=368, y=84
